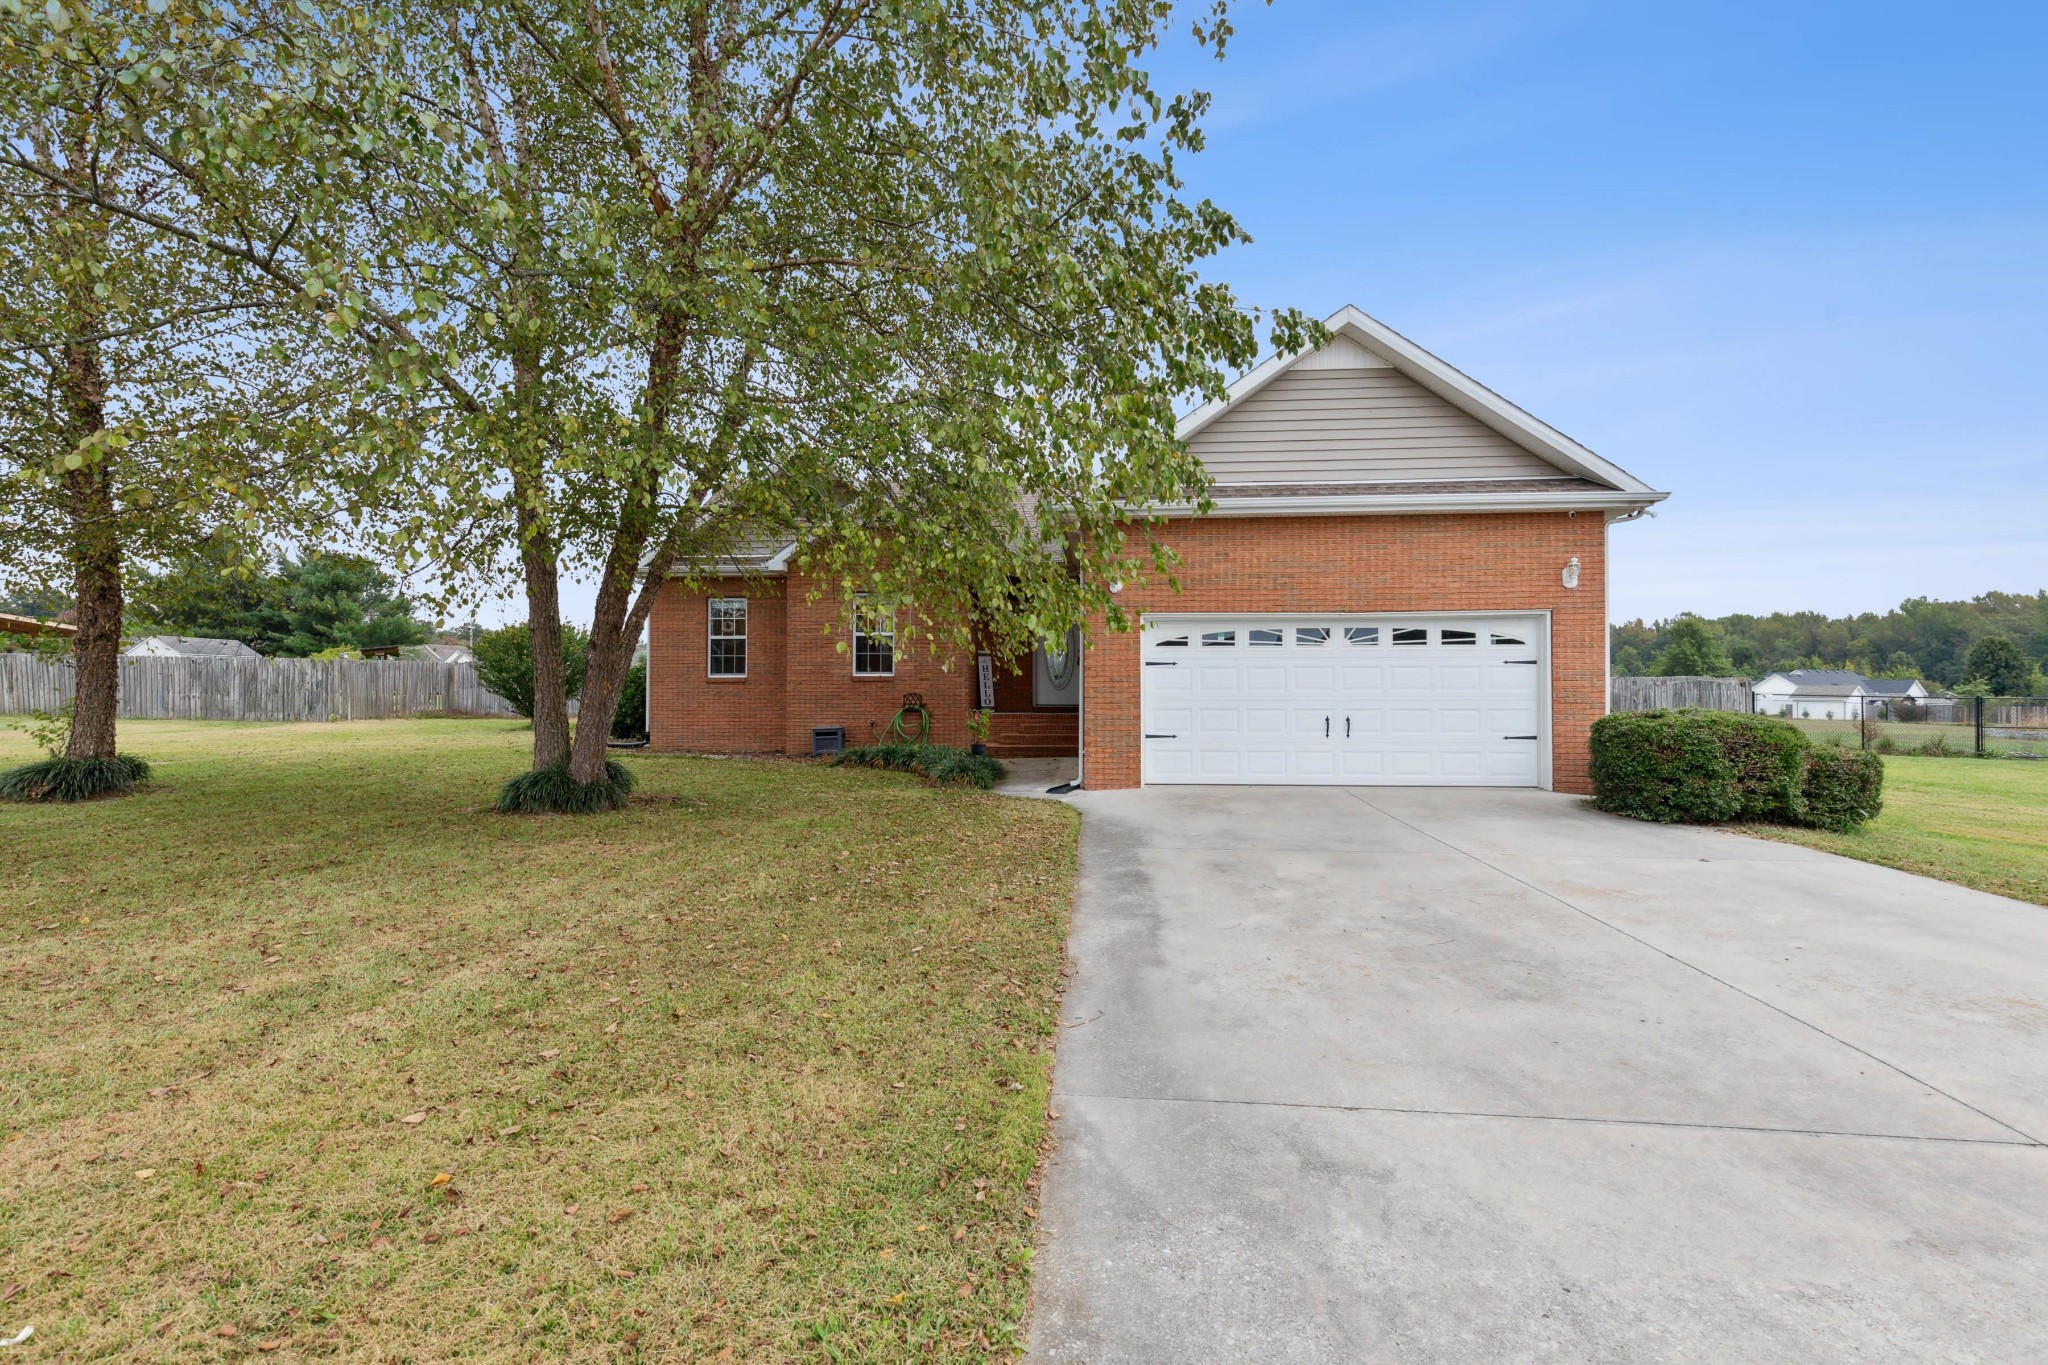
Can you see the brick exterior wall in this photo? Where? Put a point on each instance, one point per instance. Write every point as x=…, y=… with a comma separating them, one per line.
x=687, y=709
x=796, y=677
x=1508, y=561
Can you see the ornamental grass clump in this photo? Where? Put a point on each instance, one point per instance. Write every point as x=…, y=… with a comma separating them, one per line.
x=551, y=791
x=73, y=779
x=940, y=764
x=1699, y=767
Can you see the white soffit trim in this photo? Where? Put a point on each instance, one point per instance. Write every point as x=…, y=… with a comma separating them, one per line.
x=1380, y=504
x=1352, y=326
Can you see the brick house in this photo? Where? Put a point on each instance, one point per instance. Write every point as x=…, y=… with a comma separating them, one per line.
x=1403, y=580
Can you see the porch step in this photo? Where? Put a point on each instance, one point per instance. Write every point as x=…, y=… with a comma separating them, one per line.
x=1034, y=734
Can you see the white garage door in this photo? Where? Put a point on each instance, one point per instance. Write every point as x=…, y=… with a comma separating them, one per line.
x=1345, y=700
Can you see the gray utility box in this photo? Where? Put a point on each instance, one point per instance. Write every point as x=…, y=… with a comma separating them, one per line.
x=828, y=739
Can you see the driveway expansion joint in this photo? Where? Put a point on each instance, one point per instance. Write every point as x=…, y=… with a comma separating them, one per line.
x=1071, y=1097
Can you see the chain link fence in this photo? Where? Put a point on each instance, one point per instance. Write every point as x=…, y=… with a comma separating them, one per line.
x=1939, y=727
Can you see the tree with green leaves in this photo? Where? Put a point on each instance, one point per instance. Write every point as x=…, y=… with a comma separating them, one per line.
x=1691, y=649
x=918, y=286
x=131, y=362
x=631, y=282
x=1998, y=664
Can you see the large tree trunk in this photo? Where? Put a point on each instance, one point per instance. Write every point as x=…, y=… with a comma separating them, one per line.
x=95, y=563
x=544, y=624
x=614, y=631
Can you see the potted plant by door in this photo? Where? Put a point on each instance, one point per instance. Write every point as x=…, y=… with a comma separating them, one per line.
x=977, y=730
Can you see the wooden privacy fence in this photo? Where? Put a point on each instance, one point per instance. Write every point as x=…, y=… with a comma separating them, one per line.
x=261, y=689
x=1667, y=694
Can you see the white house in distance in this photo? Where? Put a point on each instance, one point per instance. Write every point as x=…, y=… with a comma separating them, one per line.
x=1829, y=693
x=188, y=647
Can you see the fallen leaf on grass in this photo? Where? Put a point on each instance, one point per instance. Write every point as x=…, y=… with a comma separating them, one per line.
x=227, y=1329
x=418, y=1116
x=269, y=1346
x=619, y=1215
x=146, y=1173
x=440, y=1178
x=510, y=1132
x=960, y=1233
x=379, y=1243
x=551, y=1054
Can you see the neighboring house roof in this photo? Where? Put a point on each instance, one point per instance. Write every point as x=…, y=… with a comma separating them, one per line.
x=1372, y=421
x=192, y=647
x=1820, y=682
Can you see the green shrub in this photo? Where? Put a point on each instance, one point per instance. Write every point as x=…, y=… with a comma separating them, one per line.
x=1841, y=790
x=72, y=779
x=504, y=663
x=937, y=763
x=551, y=791
x=1653, y=765
x=1703, y=766
x=630, y=720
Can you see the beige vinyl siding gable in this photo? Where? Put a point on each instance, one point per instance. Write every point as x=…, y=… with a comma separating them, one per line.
x=1338, y=423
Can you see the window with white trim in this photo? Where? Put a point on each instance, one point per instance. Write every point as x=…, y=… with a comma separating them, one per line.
x=727, y=645
x=874, y=639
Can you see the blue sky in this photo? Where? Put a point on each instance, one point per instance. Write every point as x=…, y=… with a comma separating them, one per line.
x=1789, y=261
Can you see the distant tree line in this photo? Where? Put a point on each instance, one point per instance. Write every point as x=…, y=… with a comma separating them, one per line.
x=1945, y=643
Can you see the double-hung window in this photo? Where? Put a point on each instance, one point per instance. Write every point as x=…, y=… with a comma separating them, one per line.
x=728, y=644
x=874, y=639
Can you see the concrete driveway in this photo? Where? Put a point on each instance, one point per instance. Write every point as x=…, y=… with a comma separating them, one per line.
x=1390, y=1074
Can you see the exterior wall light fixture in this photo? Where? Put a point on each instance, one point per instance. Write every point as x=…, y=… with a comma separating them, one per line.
x=1571, y=573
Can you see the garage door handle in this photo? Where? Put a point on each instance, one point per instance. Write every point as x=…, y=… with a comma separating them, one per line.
x=1347, y=727
x=1518, y=661
x=1521, y=736
x=1175, y=663
x=1326, y=727
x=1162, y=736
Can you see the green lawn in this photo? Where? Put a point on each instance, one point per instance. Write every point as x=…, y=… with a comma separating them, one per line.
x=304, y=1050
x=1980, y=822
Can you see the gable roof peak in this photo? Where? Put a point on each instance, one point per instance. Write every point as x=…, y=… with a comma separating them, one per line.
x=1355, y=327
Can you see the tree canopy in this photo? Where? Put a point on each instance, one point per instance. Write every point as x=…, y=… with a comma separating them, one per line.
x=1691, y=649
x=615, y=284
x=286, y=607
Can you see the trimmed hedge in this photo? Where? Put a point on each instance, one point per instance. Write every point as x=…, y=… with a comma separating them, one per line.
x=938, y=763
x=1843, y=788
x=1704, y=766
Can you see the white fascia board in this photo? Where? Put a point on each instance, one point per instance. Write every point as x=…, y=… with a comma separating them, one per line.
x=1395, y=504
x=1452, y=385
